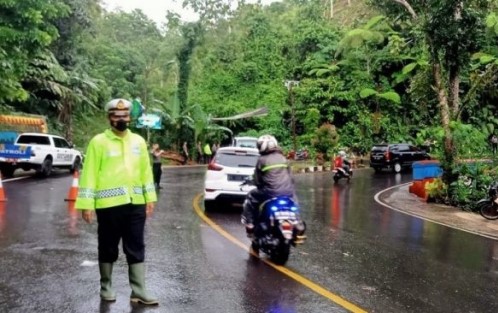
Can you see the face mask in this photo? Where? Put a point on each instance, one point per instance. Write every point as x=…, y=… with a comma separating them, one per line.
x=120, y=125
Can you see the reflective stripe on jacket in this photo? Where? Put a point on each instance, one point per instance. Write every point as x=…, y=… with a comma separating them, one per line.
x=116, y=171
x=272, y=175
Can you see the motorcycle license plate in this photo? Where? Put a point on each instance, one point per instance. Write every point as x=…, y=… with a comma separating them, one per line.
x=285, y=215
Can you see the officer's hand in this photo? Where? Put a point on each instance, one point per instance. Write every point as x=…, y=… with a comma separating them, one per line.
x=87, y=215
x=149, y=208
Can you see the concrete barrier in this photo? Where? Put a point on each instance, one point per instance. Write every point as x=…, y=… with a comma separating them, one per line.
x=424, y=172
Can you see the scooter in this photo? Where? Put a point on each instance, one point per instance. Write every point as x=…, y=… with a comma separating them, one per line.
x=488, y=207
x=302, y=154
x=340, y=172
x=280, y=227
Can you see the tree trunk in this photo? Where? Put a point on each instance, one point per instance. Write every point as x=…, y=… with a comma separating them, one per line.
x=66, y=120
x=454, y=73
x=449, y=149
x=408, y=7
x=454, y=93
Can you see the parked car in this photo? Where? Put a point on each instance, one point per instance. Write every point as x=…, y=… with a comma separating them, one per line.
x=228, y=169
x=395, y=157
x=245, y=142
x=47, y=152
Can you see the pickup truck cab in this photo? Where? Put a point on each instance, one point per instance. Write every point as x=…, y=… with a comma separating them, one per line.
x=245, y=142
x=47, y=152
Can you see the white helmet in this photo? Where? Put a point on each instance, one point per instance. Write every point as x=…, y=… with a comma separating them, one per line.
x=342, y=154
x=266, y=143
x=117, y=105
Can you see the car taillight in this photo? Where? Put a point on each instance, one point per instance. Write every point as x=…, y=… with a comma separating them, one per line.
x=214, y=167
x=387, y=154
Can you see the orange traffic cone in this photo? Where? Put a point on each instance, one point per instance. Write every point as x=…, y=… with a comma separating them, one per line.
x=2, y=216
x=73, y=191
x=2, y=193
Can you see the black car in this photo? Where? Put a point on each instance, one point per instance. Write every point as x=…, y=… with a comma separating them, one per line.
x=397, y=156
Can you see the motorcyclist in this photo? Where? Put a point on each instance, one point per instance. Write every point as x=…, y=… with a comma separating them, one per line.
x=272, y=177
x=341, y=161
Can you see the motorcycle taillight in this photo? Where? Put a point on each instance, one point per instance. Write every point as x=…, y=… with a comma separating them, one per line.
x=286, y=226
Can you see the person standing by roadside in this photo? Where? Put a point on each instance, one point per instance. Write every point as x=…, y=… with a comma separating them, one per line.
x=494, y=143
x=207, y=153
x=185, y=153
x=156, y=153
x=214, y=148
x=117, y=185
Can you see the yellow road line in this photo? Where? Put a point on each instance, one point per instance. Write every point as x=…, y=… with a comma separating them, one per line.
x=304, y=281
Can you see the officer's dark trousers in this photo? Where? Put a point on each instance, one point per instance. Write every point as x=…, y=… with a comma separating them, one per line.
x=126, y=222
x=156, y=172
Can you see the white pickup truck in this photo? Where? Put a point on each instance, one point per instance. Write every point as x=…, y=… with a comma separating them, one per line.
x=47, y=152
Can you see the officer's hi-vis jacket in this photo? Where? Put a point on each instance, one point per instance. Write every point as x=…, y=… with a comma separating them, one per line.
x=116, y=171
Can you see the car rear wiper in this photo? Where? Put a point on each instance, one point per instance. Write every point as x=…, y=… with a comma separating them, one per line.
x=245, y=165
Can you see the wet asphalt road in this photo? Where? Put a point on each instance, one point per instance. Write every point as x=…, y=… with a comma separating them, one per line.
x=375, y=258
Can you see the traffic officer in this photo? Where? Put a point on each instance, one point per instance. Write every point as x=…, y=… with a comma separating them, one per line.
x=117, y=184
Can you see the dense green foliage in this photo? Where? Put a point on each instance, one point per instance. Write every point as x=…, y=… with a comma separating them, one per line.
x=377, y=70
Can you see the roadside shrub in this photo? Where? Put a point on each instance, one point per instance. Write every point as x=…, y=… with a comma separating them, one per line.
x=326, y=138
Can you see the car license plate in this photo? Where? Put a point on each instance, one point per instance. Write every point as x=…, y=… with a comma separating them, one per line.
x=237, y=177
x=285, y=215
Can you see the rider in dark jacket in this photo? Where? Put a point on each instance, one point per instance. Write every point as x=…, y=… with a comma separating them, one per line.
x=272, y=178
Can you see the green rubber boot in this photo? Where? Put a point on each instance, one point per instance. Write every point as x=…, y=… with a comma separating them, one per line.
x=139, y=294
x=106, y=292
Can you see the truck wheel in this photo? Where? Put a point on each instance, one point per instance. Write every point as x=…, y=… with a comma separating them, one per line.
x=76, y=165
x=46, y=168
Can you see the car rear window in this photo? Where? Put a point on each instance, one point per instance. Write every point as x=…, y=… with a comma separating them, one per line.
x=34, y=140
x=236, y=159
x=379, y=148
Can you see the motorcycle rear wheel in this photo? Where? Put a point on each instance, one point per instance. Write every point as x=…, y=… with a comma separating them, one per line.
x=280, y=254
x=488, y=210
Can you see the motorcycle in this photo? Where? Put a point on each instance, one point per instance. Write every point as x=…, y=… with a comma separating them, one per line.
x=302, y=154
x=279, y=228
x=340, y=172
x=488, y=207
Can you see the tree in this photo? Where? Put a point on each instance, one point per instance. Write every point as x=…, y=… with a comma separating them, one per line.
x=26, y=31
x=325, y=139
x=451, y=32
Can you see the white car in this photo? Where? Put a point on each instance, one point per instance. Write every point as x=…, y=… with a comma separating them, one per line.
x=230, y=167
x=245, y=142
x=47, y=152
